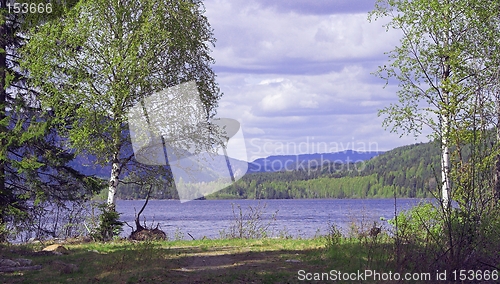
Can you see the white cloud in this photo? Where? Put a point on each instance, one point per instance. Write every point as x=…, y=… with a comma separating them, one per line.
x=252, y=38
x=270, y=81
x=292, y=73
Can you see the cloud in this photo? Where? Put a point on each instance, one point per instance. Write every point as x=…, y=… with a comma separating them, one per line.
x=261, y=40
x=300, y=70
x=308, y=7
x=342, y=92
x=331, y=107
x=320, y=7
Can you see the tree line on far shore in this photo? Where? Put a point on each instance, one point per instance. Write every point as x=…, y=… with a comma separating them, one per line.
x=409, y=171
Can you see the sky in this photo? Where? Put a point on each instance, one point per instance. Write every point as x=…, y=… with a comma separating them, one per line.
x=297, y=75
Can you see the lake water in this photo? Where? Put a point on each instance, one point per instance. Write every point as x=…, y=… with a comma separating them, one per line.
x=298, y=217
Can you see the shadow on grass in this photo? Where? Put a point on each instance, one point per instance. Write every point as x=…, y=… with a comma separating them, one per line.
x=208, y=261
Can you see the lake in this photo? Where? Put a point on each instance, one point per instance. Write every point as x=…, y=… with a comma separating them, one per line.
x=297, y=217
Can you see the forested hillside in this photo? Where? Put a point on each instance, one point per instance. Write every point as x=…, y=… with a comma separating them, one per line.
x=411, y=171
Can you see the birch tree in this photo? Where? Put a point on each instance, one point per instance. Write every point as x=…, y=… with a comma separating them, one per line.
x=432, y=66
x=446, y=65
x=104, y=57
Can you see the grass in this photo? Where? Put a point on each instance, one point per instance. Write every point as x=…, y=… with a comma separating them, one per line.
x=218, y=261
x=199, y=261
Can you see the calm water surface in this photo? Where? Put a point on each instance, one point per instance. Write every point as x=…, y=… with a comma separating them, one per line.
x=298, y=217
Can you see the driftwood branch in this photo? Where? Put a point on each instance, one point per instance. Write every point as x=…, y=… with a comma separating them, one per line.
x=144, y=233
x=137, y=218
x=128, y=225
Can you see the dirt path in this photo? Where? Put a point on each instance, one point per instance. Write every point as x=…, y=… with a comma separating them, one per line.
x=245, y=261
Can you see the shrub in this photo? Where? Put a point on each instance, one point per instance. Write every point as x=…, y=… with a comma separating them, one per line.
x=249, y=224
x=334, y=236
x=109, y=225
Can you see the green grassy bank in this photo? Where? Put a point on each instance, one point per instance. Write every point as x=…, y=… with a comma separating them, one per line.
x=200, y=261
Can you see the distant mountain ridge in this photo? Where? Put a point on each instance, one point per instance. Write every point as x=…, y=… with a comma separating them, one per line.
x=85, y=164
x=304, y=161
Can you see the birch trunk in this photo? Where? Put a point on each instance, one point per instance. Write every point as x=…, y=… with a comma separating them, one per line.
x=445, y=123
x=445, y=163
x=114, y=179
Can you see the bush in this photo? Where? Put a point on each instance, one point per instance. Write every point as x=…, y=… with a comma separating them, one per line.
x=431, y=238
x=334, y=236
x=419, y=225
x=109, y=225
x=249, y=224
